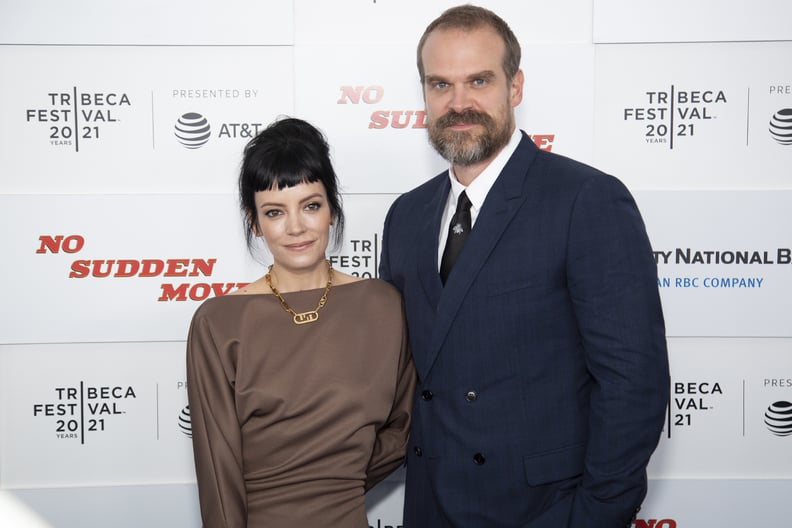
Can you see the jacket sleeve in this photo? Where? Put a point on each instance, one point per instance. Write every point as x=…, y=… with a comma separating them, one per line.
x=391, y=441
x=384, y=264
x=612, y=280
x=216, y=434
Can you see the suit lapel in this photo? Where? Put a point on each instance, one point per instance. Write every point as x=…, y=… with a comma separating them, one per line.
x=502, y=203
x=427, y=240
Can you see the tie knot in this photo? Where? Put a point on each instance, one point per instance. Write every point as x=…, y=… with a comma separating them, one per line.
x=463, y=202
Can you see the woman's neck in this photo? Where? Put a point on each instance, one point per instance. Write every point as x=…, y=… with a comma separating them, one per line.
x=289, y=280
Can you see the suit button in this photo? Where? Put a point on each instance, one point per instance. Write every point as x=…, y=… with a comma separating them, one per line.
x=471, y=396
x=417, y=451
x=479, y=459
x=635, y=514
x=427, y=395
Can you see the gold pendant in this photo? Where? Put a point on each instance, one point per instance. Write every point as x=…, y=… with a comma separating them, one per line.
x=306, y=317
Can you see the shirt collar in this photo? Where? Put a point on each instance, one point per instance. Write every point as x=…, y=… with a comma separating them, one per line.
x=481, y=185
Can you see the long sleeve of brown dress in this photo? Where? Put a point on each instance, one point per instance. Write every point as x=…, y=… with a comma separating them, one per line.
x=292, y=423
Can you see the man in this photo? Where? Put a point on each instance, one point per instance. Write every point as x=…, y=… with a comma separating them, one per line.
x=543, y=371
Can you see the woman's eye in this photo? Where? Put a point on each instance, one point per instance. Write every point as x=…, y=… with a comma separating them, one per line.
x=272, y=213
x=313, y=206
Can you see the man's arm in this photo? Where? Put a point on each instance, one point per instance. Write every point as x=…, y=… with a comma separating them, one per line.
x=612, y=281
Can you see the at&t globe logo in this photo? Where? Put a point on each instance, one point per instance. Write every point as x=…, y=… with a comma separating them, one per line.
x=781, y=126
x=778, y=418
x=185, y=423
x=193, y=130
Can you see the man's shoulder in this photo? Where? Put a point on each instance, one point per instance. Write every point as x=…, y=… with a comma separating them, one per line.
x=430, y=186
x=565, y=170
x=560, y=162
x=424, y=192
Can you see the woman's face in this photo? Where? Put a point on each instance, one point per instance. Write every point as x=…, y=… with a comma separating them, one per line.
x=295, y=223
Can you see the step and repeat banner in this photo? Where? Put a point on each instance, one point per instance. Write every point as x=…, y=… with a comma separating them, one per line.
x=121, y=138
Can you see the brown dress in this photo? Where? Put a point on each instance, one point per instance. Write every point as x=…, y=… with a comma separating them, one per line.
x=292, y=424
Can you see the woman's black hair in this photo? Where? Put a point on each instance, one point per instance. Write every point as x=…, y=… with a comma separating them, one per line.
x=288, y=152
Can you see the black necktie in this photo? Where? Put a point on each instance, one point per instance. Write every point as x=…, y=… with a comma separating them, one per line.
x=458, y=232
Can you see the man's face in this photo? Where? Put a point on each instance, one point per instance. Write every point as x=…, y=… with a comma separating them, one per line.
x=469, y=101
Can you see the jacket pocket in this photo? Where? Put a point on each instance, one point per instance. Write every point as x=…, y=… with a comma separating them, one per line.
x=555, y=465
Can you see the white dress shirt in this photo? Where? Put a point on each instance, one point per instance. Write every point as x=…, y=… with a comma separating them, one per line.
x=476, y=192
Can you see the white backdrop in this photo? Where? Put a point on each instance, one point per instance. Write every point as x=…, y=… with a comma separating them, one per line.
x=120, y=218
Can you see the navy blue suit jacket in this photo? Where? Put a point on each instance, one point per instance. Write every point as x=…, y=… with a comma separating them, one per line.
x=542, y=363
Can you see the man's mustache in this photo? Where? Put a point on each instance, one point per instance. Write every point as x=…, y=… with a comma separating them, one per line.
x=471, y=117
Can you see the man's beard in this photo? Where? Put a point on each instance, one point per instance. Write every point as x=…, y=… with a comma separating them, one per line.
x=464, y=148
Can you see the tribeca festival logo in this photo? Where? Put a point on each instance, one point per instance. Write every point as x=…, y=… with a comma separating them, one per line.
x=781, y=126
x=402, y=119
x=383, y=524
x=362, y=261
x=674, y=115
x=692, y=400
x=76, y=118
x=81, y=410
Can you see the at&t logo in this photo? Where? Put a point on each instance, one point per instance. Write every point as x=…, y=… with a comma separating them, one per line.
x=185, y=423
x=781, y=126
x=778, y=418
x=193, y=130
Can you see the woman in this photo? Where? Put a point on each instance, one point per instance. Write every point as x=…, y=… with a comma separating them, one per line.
x=300, y=384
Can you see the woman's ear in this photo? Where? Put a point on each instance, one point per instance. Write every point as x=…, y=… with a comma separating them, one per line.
x=253, y=223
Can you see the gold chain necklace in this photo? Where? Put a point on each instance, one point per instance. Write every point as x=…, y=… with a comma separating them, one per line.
x=303, y=317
